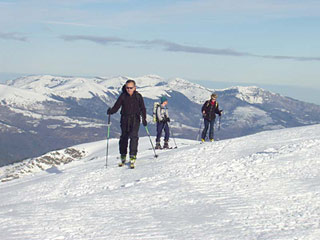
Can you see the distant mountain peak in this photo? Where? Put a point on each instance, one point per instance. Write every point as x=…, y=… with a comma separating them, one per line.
x=252, y=94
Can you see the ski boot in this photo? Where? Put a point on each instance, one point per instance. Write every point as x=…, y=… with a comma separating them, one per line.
x=158, y=146
x=166, y=145
x=123, y=160
x=202, y=140
x=133, y=159
x=211, y=140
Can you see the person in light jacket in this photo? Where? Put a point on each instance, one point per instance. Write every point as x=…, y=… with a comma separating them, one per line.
x=162, y=119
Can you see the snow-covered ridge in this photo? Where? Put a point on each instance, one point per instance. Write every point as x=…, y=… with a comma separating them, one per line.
x=13, y=95
x=253, y=94
x=151, y=86
x=61, y=86
x=195, y=92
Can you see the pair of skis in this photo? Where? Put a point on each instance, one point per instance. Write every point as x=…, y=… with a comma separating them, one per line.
x=132, y=164
x=166, y=148
x=210, y=141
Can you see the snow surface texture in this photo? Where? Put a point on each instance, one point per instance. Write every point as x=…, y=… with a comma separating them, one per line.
x=264, y=186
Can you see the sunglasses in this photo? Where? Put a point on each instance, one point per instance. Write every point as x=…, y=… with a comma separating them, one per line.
x=129, y=87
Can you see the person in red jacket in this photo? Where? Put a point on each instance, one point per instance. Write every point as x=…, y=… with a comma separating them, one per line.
x=132, y=107
x=209, y=110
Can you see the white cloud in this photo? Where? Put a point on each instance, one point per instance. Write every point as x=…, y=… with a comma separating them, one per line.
x=68, y=23
x=175, y=47
x=13, y=36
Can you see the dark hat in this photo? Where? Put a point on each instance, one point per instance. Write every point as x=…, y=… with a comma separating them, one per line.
x=163, y=99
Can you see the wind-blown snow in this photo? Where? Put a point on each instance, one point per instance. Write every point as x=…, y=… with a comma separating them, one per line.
x=264, y=186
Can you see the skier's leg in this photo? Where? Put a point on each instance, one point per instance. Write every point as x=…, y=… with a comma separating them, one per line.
x=123, y=142
x=134, y=138
x=159, y=133
x=166, y=136
x=211, y=131
x=166, y=132
x=204, y=132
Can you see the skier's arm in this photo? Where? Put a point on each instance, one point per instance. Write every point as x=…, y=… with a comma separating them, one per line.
x=167, y=113
x=203, y=108
x=217, y=110
x=143, y=110
x=116, y=106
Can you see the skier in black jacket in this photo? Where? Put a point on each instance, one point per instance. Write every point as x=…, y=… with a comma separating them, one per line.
x=209, y=110
x=132, y=107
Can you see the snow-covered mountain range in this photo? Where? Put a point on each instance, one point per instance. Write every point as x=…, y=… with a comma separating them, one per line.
x=263, y=186
x=44, y=113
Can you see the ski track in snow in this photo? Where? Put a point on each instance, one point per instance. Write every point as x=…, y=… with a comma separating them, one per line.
x=263, y=186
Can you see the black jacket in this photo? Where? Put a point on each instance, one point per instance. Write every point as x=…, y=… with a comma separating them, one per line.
x=210, y=110
x=130, y=105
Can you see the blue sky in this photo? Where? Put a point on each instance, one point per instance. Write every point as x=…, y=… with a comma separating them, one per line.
x=257, y=42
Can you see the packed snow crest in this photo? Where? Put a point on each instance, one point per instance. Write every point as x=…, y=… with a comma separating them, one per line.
x=264, y=186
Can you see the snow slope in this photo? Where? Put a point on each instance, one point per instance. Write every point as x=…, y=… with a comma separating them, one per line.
x=264, y=186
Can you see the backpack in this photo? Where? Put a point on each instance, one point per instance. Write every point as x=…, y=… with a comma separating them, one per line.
x=154, y=113
x=208, y=103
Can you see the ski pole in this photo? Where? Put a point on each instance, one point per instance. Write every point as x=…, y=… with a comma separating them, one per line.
x=155, y=155
x=172, y=135
x=219, y=122
x=108, y=135
x=214, y=124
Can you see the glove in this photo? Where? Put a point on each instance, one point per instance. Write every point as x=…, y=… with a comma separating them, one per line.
x=220, y=112
x=144, y=122
x=109, y=111
x=168, y=119
x=154, y=119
